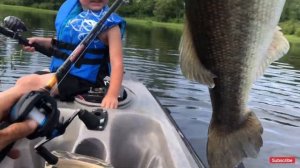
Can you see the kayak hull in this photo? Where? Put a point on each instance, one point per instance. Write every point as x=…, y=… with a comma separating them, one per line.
x=139, y=134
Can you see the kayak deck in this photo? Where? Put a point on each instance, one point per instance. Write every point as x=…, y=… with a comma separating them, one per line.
x=139, y=134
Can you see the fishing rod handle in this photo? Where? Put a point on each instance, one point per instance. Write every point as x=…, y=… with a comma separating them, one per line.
x=5, y=150
x=24, y=41
x=36, y=46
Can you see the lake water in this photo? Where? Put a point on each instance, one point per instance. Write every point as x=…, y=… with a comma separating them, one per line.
x=151, y=56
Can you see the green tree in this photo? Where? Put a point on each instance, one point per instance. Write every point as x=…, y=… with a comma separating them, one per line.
x=166, y=10
x=291, y=10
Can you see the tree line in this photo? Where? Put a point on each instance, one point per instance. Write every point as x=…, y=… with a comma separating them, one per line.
x=159, y=10
x=168, y=11
x=290, y=18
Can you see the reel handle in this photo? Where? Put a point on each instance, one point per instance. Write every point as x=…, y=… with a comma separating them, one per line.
x=5, y=150
x=15, y=25
x=9, y=33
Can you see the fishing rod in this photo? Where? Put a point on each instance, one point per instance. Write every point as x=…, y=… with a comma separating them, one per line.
x=12, y=28
x=41, y=106
x=63, y=70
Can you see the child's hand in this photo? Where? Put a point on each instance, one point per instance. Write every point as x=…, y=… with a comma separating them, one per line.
x=110, y=102
x=46, y=42
x=30, y=41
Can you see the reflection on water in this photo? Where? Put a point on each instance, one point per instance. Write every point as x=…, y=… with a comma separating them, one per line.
x=151, y=57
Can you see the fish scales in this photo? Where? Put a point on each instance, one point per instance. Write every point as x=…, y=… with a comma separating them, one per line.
x=227, y=44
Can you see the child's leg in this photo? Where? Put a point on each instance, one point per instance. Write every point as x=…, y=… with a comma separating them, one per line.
x=70, y=86
x=25, y=84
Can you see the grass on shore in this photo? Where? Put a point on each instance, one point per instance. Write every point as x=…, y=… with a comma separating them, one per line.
x=293, y=38
x=26, y=9
x=141, y=22
x=150, y=23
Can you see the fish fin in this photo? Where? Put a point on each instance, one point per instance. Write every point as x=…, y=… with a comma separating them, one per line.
x=191, y=66
x=227, y=148
x=278, y=48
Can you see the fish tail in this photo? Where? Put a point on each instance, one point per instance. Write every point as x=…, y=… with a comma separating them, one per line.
x=227, y=150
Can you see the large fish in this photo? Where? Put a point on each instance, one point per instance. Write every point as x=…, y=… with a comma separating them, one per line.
x=227, y=44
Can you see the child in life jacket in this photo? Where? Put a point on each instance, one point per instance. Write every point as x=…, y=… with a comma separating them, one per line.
x=75, y=19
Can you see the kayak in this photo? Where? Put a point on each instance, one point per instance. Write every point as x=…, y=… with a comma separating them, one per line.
x=139, y=134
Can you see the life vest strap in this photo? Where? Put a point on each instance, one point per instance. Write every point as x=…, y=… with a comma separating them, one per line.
x=68, y=46
x=57, y=45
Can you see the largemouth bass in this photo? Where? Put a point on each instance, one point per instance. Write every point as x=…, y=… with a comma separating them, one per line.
x=227, y=44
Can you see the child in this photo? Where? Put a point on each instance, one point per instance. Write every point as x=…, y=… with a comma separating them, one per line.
x=74, y=21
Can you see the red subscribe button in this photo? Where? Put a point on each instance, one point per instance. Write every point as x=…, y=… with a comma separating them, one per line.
x=282, y=160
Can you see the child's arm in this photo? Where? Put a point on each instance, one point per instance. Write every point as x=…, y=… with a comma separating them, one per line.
x=113, y=39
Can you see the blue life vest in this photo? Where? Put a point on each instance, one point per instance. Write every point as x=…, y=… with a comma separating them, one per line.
x=72, y=26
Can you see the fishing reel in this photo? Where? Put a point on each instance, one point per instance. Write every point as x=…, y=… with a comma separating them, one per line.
x=41, y=107
x=38, y=106
x=13, y=27
x=15, y=24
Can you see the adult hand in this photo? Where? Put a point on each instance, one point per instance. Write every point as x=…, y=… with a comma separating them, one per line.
x=14, y=132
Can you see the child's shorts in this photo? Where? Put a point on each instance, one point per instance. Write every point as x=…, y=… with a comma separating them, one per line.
x=70, y=86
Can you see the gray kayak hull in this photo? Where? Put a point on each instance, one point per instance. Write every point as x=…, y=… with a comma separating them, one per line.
x=139, y=134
